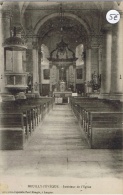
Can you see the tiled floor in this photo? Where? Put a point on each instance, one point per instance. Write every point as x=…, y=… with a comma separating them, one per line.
x=58, y=148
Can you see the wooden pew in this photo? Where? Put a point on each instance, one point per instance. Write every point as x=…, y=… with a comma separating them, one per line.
x=86, y=112
x=44, y=104
x=36, y=110
x=32, y=112
x=11, y=131
x=106, y=129
x=78, y=107
x=82, y=110
x=98, y=106
x=12, y=108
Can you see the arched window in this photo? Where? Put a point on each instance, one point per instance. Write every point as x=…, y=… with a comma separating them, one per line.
x=79, y=55
x=44, y=54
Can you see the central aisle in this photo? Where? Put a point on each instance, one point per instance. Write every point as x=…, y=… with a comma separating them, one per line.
x=58, y=148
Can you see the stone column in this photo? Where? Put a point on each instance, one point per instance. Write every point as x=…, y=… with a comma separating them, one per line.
x=74, y=75
x=57, y=77
x=100, y=59
x=50, y=66
x=88, y=64
x=88, y=70
x=117, y=59
x=1, y=53
x=106, y=65
x=67, y=78
x=35, y=67
x=6, y=21
x=39, y=68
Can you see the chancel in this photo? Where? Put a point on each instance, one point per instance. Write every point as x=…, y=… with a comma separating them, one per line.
x=62, y=59
x=61, y=89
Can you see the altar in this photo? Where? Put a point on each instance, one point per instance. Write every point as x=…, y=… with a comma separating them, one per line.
x=62, y=63
x=62, y=97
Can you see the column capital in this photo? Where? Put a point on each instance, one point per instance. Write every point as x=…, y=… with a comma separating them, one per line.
x=106, y=28
x=35, y=45
x=35, y=42
x=5, y=13
x=94, y=41
x=121, y=13
x=88, y=46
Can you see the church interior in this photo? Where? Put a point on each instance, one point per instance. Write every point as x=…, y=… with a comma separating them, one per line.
x=61, y=89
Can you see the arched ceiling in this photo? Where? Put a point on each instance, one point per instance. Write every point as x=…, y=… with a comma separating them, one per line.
x=68, y=5
x=80, y=20
x=42, y=19
x=88, y=12
x=69, y=26
x=71, y=31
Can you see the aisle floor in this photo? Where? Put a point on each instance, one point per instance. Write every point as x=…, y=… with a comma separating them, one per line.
x=58, y=148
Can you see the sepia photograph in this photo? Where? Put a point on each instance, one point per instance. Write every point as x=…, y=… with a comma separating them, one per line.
x=61, y=97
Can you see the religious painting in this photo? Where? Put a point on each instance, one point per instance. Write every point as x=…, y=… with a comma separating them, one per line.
x=46, y=74
x=79, y=73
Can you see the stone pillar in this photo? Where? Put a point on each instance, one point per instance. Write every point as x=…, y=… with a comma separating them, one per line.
x=94, y=42
x=1, y=53
x=67, y=76
x=88, y=70
x=106, y=66
x=94, y=59
x=50, y=66
x=35, y=67
x=4, y=33
x=100, y=59
x=57, y=77
x=6, y=21
x=39, y=68
x=117, y=59
x=74, y=76
x=88, y=64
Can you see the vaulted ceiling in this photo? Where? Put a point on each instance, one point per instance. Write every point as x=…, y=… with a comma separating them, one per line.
x=42, y=19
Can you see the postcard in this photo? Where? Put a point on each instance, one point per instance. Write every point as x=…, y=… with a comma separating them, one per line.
x=61, y=97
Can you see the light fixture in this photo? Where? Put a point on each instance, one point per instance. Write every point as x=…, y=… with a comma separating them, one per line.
x=61, y=18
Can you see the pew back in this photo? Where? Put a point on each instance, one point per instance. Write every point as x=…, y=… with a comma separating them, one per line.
x=11, y=131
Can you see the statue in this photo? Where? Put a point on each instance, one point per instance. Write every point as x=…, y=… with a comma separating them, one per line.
x=94, y=78
x=35, y=86
x=95, y=81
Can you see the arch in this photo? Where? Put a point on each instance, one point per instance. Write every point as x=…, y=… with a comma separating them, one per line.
x=23, y=6
x=42, y=21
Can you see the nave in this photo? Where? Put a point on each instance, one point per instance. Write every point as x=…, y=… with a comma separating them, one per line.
x=58, y=148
